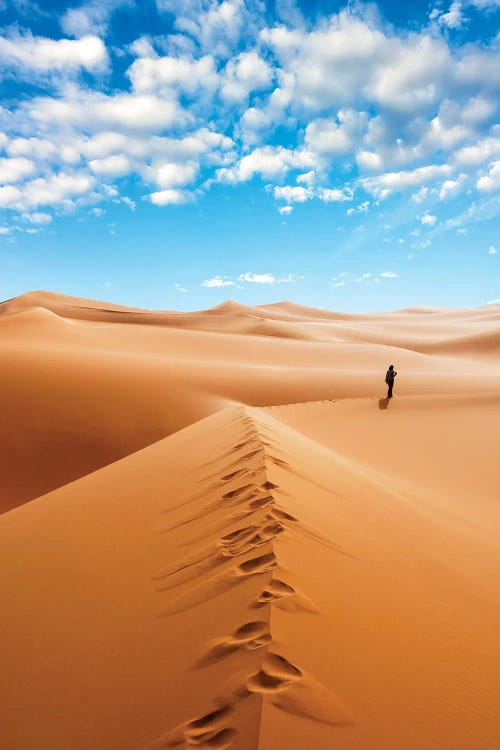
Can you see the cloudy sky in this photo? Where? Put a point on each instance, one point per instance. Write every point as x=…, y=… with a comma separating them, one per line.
x=176, y=153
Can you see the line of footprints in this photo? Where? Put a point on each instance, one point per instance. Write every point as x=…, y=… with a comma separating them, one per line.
x=253, y=507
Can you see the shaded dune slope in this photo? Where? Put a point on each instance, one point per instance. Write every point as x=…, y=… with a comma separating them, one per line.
x=242, y=585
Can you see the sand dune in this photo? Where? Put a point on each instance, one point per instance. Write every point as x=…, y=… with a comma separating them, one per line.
x=220, y=534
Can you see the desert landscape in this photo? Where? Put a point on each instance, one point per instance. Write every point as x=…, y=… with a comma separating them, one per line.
x=218, y=532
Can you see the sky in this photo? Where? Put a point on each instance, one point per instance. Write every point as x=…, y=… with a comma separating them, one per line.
x=172, y=154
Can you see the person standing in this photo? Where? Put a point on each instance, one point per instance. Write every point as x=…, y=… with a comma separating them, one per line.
x=389, y=379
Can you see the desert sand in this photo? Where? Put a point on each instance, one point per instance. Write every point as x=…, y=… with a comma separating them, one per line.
x=217, y=532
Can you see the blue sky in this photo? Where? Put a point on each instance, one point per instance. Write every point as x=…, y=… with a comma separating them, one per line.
x=175, y=153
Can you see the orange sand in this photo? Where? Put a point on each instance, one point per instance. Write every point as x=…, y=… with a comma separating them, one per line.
x=219, y=534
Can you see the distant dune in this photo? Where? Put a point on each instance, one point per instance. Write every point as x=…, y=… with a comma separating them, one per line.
x=217, y=532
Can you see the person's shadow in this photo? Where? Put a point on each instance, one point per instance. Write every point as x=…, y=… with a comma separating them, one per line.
x=383, y=403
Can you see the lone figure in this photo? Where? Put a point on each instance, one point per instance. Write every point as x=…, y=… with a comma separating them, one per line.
x=389, y=379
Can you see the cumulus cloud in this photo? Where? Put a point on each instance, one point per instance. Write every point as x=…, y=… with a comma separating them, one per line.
x=266, y=278
x=491, y=181
x=90, y=18
x=38, y=218
x=451, y=188
x=246, y=73
x=292, y=193
x=215, y=26
x=93, y=111
x=428, y=219
x=172, y=174
x=43, y=55
x=13, y=170
x=217, y=282
x=492, y=250
x=269, y=162
x=390, y=182
x=186, y=74
x=171, y=197
x=55, y=189
x=115, y=166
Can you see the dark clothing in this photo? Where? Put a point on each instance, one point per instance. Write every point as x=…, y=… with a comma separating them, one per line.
x=389, y=379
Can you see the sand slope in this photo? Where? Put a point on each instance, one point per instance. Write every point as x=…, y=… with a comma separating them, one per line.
x=267, y=579
x=253, y=548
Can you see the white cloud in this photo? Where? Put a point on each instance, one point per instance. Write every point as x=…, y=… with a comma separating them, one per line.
x=389, y=275
x=285, y=210
x=181, y=288
x=397, y=181
x=369, y=160
x=428, y=219
x=115, y=166
x=52, y=190
x=420, y=195
x=293, y=193
x=246, y=73
x=334, y=195
x=13, y=170
x=128, y=202
x=95, y=111
x=186, y=74
x=216, y=26
x=172, y=174
x=362, y=208
x=492, y=180
x=44, y=55
x=269, y=161
x=478, y=109
x=326, y=137
x=266, y=278
x=217, y=282
x=451, y=188
x=454, y=18
x=4, y=230
x=484, y=149
x=89, y=18
x=171, y=197
x=38, y=218
x=492, y=250
x=307, y=178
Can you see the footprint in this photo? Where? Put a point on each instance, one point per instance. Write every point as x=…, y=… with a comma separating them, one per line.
x=271, y=531
x=281, y=515
x=279, y=462
x=269, y=486
x=238, y=491
x=261, y=502
x=275, y=675
x=233, y=475
x=222, y=740
x=285, y=597
x=258, y=565
x=251, y=636
x=211, y=722
x=237, y=536
x=275, y=589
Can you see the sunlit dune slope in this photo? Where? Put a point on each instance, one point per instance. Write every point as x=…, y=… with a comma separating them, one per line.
x=242, y=585
x=86, y=383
